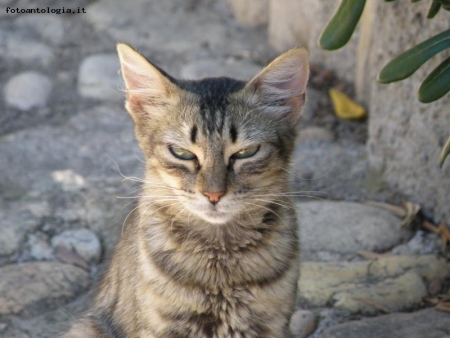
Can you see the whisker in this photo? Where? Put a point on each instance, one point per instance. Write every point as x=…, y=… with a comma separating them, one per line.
x=271, y=201
x=125, y=220
x=250, y=215
x=135, y=155
x=145, y=211
x=173, y=218
x=148, y=196
x=139, y=205
x=261, y=206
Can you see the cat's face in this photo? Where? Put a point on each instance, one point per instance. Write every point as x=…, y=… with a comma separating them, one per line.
x=217, y=147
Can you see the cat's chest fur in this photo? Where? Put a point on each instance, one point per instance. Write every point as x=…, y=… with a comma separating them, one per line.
x=218, y=285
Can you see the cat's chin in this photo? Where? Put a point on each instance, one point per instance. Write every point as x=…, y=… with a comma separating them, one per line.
x=215, y=217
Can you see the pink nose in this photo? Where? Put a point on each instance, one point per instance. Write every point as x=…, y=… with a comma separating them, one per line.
x=214, y=197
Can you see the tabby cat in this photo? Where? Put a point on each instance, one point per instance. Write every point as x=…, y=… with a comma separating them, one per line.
x=213, y=251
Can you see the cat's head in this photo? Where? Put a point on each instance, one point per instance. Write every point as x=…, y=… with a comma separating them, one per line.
x=218, y=147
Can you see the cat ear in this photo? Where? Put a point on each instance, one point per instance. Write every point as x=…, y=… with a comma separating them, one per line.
x=280, y=87
x=145, y=84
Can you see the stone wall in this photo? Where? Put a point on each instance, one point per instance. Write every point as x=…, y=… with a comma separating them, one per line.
x=405, y=136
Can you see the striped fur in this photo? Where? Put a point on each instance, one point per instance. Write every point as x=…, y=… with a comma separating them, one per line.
x=188, y=266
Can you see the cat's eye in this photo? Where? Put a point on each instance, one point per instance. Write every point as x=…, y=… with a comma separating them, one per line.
x=246, y=152
x=181, y=153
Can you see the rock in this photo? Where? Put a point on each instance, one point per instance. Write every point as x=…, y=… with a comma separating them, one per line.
x=238, y=69
x=315, y=134
x=39, y=247
x=92, y=144
x=314, y=98
x=20, y=47
x=334, y=170
x=105, y=214
x=68, y=179
x=328, y=317
x=49, y=27
x=422, y=243
x=32, y=287
x=250, y=13
x=27, y=90
x=425, y=323
x=345, y=228
x=17, y=221
x=303, y=323
x=166, y=32
x=390, y=295
x=299, y=23
x=394, y=282
x=98, y=77
x=405, y=137
x=83, y=241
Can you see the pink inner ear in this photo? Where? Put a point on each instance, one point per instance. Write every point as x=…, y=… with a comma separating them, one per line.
x=296, y=102
x=298, y=81
x=132, y=80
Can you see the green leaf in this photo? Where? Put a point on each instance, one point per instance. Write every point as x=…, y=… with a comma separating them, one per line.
x=435, y=85
x=434, y=9
x=408, y=62
x=341, y=26
x=444, y=153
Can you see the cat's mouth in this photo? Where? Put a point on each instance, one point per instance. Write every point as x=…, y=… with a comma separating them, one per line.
x=215, y=214
x=216, y=217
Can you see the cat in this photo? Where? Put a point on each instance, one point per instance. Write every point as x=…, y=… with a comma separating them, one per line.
x=213, y=251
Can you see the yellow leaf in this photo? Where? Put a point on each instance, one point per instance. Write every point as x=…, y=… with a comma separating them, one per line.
x=344, y=107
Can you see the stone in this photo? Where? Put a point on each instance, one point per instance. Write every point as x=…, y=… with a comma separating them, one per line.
x=322, y=283
x=83, y=241
x=422, y=243
x=315, y=134
x=390, y=295
x=346, y=227
x=107, y=215
x=424, y=323
x=98, y=77
x=405, y=137
x=18, y=220
x=333, y=171
x=49, y=27
x=39, y=247
x=328, y=317
x=24, y=49
x=312, y=104
x=30, y=288
x=238, y=69
x=303, y=323
x=299, y=23
x=27, y=90
x=68, y=179
x=250, y=13
x=166, y=33
x=93, y=144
